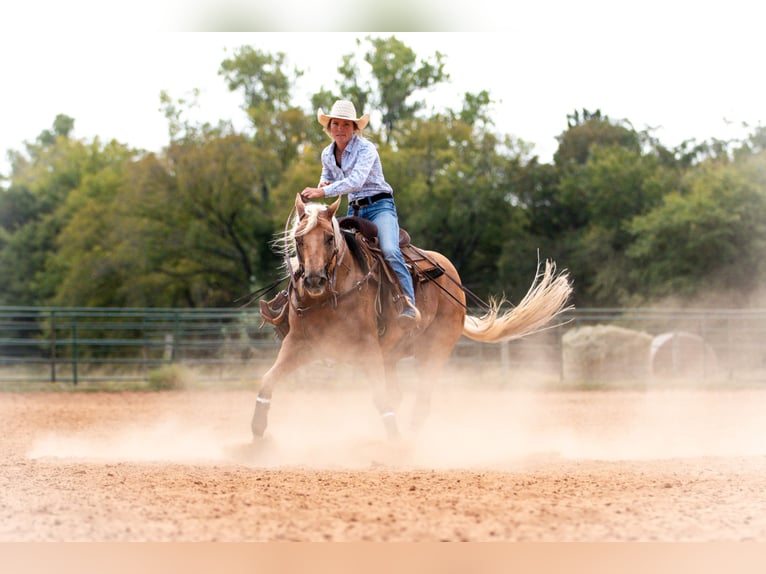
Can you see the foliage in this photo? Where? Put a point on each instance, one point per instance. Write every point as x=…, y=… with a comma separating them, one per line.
x=592, y=128
x=600, y=198
x=712, y=235
x=170, y=378
x=89, y=223
x=397, y=75
x=39, y=203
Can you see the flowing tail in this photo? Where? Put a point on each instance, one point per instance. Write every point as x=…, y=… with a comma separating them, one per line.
x=546, y=298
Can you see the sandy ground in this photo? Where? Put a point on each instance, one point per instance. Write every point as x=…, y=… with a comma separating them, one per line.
x=596, y=466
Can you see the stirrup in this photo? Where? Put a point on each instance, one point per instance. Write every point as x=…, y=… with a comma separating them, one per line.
x=274, y=312
x=409, y=320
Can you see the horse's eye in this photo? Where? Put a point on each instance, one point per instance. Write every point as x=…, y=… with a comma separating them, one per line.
x=329, y=240
x=299, y=242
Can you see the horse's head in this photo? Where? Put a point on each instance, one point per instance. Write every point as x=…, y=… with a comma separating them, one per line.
x=317, y=241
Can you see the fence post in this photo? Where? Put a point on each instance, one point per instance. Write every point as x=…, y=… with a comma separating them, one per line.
x=53, y=346
x=167, y=355
x=74, y=351
x=176, y=334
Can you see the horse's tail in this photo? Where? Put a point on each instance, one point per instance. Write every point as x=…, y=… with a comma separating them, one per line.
x=546, y=298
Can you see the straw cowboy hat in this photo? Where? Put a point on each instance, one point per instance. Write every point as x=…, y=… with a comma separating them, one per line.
x=343, y=110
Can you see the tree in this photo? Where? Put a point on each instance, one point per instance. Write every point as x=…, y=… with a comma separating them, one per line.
x=189, y=229
x=281, y=130
x=62, y=127
x=39, y=203
x=397, y=75
x=453, y=193
x=603, y=196
x=207, y=225
x=592, y=128
x=87, y=264
x=711, y=237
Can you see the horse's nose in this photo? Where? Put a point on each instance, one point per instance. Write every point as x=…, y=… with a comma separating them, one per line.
x=315, y=282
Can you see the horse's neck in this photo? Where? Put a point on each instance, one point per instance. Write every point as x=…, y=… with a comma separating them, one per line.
x=349, y=268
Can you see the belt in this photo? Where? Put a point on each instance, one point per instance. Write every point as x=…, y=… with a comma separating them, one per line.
x=357, y=203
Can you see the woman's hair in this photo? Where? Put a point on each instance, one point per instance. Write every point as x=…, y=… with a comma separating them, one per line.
x=327, y=129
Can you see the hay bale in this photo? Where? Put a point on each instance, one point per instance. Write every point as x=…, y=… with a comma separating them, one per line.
x=605, y=353
x=682, y=355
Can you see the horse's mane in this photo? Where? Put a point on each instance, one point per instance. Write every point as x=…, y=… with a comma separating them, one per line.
x=284, y=241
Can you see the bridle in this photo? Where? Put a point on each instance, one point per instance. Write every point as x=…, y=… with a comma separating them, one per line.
x=334, y=263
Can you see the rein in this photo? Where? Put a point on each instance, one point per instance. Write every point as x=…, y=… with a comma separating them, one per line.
x=251, y=297
x=478, y=300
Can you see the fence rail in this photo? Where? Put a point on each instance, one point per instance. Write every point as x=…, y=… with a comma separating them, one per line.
x=92, y=344
x=40, y=344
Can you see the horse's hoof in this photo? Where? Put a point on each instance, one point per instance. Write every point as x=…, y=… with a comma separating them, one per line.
x=385, y=454
x=391, y=426
x=258, y=451
x=242, y=453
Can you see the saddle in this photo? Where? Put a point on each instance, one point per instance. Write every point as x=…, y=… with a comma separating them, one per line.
x=422, y=268
x=361, y=235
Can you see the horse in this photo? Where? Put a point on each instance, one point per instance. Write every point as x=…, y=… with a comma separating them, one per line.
x=338, y=308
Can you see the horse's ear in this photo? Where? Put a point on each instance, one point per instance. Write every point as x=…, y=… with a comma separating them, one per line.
x=333, y=207
x=299, y=205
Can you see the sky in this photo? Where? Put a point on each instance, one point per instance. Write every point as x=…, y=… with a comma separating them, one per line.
x=688, y=70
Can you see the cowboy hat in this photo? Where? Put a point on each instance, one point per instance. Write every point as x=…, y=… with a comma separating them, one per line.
x=343, y=110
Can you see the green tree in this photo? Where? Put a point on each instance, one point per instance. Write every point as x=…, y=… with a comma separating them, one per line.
x=454, y=194
x=397, y=74
x=710, y=237
x=281, y=130
x=615, y=186
x=208, y=221
x=62, y=127
x=187, y=229
x=39, y=204
x=86, y=264
x=588, y=129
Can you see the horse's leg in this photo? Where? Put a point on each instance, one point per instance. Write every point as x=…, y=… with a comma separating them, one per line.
x=393, y=389
x=284, y=365
x=384, y=405
x=428, y=371
x=374, y=370
x=433, y=352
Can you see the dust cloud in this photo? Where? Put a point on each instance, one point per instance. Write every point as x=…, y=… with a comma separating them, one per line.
x=470, y=427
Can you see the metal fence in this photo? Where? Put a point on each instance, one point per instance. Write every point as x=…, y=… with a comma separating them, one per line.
x=97, y=344
x=109, y=344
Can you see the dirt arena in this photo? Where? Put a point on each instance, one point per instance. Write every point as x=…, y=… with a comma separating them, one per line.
x=505, y=465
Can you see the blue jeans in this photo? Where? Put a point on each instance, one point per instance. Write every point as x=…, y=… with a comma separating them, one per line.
x=383, y=214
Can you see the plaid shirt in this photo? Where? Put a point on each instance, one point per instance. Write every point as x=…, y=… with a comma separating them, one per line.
x=361, y=174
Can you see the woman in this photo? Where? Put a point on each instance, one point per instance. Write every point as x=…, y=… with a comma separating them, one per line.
x=351, y=165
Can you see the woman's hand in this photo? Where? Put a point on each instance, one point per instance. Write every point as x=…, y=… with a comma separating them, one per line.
x=314, y=192
x=311, y=193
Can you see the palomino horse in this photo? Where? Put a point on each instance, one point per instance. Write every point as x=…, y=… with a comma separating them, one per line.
x=335, y=305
